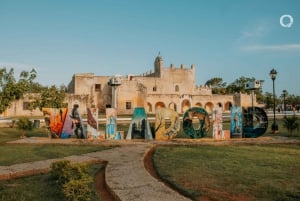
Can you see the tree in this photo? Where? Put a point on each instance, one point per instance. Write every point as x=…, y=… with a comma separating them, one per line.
x=239, y=85
x=11, y=89
x=268, y=97
x=52, y=97
x=217, y=85
x=292, y=100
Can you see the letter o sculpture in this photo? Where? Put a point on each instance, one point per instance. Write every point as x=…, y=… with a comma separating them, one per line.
x=255, y=122
x=161, y=132
x=204, y=123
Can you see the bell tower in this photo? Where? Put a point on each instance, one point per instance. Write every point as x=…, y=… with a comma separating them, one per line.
x=158, y=66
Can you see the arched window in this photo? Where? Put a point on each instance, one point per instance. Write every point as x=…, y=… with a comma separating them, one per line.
x=149, y=107
x=176, y=88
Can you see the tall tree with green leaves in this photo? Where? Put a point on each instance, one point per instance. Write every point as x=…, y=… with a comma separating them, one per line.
x=52, y=97
x=217, y=85
x=292, y=99
x=12, y=89
x=268, y=100
x=239, y=85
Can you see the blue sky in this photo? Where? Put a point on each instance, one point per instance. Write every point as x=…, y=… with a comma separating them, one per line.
x=223, y=38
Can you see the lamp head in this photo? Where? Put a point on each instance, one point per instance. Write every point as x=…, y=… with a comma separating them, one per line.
x=284, y=92
x=273, y=74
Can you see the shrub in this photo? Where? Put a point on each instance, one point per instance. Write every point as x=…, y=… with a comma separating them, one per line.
x=291, y=123
x=24, y=124
x=59, y=171
x=73, y=178
x=13, y=122
x=78, y=190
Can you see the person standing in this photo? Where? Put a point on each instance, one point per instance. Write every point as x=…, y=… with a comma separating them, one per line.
x=77, y=122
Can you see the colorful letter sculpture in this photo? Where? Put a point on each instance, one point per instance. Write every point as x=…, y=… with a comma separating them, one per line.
x=203, y=119
x=55, y=119
x=92, y=124
x=255, y=122
x=78, y=125
x=67, y=130
x=111, y=124
x=236, y=125
x=217, y=124
x=161, y=132
x=139, y=127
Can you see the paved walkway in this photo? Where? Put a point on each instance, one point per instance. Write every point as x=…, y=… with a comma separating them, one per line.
x=125, y=173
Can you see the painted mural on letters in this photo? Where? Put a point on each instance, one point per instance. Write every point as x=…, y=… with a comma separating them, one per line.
x=163, y=116
x=217, y=117
x=92, y=124
x=139, y=127
x=111, y=124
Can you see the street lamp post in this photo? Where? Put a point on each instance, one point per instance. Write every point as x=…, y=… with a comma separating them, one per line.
x=273, y=74
x=284, y=93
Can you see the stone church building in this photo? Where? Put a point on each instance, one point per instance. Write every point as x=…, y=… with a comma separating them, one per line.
x=168, y=87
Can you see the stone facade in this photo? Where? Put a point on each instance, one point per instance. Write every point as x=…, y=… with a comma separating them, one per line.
x=165, y=87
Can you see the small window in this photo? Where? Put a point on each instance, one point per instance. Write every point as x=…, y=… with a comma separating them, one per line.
x=26, y=105
x=128, y=105
x=154, y=88
x=176, y=88
x=97, y=87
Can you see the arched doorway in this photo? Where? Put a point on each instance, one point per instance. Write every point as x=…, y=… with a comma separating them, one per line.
x=159, y=105
x=173, y=106
x=228, y=105
x=149, y=107
x=208, y=107
x=185, y=105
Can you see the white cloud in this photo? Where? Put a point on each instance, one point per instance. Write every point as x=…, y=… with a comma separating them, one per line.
x=283, y=47
x=258, y=32
x=253, y=33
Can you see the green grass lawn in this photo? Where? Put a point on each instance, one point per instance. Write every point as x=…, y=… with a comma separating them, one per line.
x=244, y=172
x=40, y=188
x=257, y=172
x=21, y=153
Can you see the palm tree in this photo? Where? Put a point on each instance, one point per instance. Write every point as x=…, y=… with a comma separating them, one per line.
x=291, y=123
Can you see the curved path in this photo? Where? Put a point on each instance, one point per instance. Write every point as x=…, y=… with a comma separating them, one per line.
x=126, y=176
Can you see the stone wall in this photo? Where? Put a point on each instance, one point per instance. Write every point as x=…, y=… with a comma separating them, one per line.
x=170, y=87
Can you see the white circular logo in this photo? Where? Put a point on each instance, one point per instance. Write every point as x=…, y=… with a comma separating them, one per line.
x=286, y=21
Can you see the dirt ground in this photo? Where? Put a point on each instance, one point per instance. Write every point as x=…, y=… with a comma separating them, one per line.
x=101, y=186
